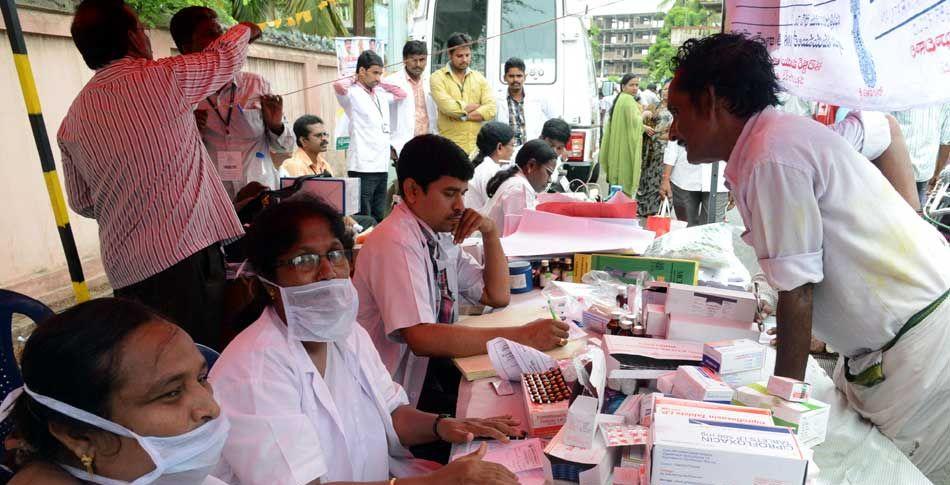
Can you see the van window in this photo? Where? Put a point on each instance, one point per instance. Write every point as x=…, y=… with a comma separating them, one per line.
x=466, y=16
x=536, y=46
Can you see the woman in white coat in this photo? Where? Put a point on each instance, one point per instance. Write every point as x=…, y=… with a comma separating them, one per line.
x=114, y=394
x=514, y=190
x=308, y=397
x=496, y=144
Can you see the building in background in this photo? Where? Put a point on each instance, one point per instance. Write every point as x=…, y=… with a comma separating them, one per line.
x=626, y=38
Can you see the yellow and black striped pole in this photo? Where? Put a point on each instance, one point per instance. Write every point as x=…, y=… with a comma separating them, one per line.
x=32, y=100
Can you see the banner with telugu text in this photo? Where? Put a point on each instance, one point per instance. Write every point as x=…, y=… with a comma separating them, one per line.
x=884, y=55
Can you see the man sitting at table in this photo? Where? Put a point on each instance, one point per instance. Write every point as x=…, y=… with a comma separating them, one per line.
x=411, y=276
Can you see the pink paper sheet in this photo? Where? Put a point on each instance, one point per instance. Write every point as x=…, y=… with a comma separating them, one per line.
x=541, y=233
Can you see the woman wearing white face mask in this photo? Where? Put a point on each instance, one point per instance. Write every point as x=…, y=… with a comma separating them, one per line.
x=308, y=397
x=114, y=394
x=516, y=189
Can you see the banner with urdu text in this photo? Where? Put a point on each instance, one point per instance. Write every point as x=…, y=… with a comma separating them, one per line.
x=883, y=55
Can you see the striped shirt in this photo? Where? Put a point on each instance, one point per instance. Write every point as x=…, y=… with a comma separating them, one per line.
x=924, y=130
x=134, y=161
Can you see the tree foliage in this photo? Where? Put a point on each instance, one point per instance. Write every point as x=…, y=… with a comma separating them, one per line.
x=683, y=13
x=322, y=18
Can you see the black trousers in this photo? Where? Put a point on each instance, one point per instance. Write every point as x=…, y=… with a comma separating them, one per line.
x=372, y=194
x=190, y=294
x=439, y=396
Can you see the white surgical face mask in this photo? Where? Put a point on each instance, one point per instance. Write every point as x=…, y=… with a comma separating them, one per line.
x=186, y=458
x=324, y=311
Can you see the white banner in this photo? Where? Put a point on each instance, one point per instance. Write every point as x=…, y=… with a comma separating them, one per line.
x=884, y=55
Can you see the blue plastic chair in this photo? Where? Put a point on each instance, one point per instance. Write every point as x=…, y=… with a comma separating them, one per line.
x=210, y=355
x=10, y=379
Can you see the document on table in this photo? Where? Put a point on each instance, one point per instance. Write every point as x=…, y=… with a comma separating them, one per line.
x=524, y=458
x=542, y=233
x=511, y=359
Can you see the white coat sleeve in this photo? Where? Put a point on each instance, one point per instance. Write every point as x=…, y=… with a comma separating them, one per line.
x=471, y=277
x=271, y=439
x=391, y=393
x=786, y=226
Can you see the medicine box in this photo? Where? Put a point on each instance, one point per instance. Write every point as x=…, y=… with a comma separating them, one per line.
x=700, y=384
x=808, y=419
x=648, y=358
x=657, y=321
x=544, y=420
x=709, y=302
x=789, y=389
x=673, y=409
x=665, y=382
x=671, y=270
x=739, y=379
x=730, y=356
x=708, y=452
x=647, y=406
x=694, y=328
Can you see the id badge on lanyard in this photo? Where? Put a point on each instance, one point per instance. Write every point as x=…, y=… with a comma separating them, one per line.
x=385, y=125
x=230, y=164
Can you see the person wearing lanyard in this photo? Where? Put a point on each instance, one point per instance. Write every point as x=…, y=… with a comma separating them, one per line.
x=366, y=100
x=411, y=276
x=243, y=122
x=873, y=286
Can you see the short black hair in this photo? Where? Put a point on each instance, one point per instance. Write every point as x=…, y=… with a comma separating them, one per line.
x=536, y=151
x=277, y=228
x=185, y=21
x=426, y=158
x=73, y=357
x=100, y=30
x=739, y=69
x=368, y=59
x=302, y=126
x=556, y=129
x=458, y=39
x=414, y=48
x=515, y=62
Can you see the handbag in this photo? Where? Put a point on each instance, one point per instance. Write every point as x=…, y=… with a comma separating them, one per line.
x=665, y=219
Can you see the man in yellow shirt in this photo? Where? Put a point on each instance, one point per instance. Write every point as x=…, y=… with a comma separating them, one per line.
x=462, y=95
x=312, y=142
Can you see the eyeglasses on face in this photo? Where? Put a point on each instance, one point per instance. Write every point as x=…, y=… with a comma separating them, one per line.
x=311, y=261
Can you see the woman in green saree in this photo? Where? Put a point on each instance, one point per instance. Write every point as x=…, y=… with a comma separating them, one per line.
x=621, y=148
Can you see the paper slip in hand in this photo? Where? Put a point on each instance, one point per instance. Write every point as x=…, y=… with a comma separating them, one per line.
x=624, y=434
x=511, y=359
x=518, y=456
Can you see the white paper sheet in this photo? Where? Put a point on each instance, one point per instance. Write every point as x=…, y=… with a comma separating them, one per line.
x=511, y=359
x=542, y=233
x=581, y=424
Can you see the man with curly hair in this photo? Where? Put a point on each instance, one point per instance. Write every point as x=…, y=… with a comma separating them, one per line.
x=872, y=285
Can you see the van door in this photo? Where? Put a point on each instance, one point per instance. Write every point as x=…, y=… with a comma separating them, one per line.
x=451, y=16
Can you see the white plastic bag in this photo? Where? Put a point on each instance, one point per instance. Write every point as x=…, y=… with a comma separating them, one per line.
x=710, y=245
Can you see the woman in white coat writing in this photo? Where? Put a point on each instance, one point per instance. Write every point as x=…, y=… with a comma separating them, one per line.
x=308, y=397
x=514, y=190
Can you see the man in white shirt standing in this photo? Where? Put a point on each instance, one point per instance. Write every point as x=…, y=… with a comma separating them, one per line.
x=687, y=186
x=874, y=288
x=240, y=124
x=524, y=114
x=366, y=101
x=417, y=114
x=412, y=276
x=927, y=133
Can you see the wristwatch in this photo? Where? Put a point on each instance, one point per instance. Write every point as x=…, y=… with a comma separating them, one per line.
x=464, y=117
x=435, y=425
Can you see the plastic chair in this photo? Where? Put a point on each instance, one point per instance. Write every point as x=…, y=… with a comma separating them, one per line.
x=210, y=355
x=10, y=379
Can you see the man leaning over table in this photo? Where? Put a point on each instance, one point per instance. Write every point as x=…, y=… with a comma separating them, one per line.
x=411, y=276
x=462, y=96
x=874, y=288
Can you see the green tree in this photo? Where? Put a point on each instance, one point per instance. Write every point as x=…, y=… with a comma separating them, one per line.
x=154, y=13
x=683, y=13
x=594, y=35
x=322, y=16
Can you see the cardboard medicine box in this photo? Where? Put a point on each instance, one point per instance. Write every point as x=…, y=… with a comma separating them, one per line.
x=700, y=384
x=709, y=302
x=543, y=420
x=809, y=419
x=712, y=452
x=731, y=356
x=617, y=265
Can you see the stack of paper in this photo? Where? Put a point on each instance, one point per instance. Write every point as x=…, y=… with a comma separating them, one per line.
x=541, y=233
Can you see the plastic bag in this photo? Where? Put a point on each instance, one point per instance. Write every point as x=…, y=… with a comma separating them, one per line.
x=710, y=245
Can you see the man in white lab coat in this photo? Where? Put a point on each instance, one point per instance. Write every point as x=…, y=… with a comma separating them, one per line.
x=412, y=276
x=873, y=287
x=524, y=114
x=416, y=115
